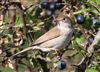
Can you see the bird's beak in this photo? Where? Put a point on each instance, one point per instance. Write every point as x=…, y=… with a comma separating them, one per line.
x=55, y=21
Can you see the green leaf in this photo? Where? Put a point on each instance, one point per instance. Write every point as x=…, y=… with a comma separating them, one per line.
x=88, y=23
x=80, y=40
x=92, y=69
x=18, y=21
x=95, y=1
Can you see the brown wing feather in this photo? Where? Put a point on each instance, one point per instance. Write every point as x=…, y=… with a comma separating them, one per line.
x=53, y=33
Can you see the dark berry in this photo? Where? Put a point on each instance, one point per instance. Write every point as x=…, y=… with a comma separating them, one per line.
x=52, y=6
x=49, y=13
x=61, y=65
x=44, y=5
x=90, y=39
x=80, y=19
x=82, y=3
x=94, y=21
x=59, y=5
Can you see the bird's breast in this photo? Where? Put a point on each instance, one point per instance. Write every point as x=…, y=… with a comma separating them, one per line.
x=64, y=31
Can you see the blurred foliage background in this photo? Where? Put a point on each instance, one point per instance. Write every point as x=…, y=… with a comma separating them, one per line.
x=23, y=21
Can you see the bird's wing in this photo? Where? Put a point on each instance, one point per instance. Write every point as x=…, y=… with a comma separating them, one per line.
x=51, y=34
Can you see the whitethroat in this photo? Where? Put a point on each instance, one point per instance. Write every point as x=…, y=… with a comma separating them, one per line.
x=56, y=38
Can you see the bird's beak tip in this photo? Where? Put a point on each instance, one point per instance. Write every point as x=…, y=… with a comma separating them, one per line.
x=55, y=22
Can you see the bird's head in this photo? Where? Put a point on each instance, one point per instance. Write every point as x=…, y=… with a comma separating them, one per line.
x=63, y=21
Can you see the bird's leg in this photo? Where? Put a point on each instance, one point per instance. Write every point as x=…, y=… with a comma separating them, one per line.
x=36, y=47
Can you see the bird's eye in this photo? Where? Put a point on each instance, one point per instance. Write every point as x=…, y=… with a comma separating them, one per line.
x=64, y=18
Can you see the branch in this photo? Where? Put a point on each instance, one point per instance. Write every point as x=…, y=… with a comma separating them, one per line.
x=25, y=29
x=87, y=59
x=95, y=42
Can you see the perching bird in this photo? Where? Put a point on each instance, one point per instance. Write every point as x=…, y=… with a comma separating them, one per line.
x=56, y=38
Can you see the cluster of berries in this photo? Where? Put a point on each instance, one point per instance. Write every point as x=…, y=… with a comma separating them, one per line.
x=51, y=7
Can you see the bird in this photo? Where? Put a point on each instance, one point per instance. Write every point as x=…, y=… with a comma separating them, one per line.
x=56, y=38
